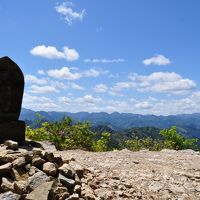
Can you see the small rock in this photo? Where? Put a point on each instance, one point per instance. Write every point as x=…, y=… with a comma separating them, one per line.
x=50, y=168
x=66, y=181
x=10, y=196
x=19, y=162
x=67, y=171
x=73, y=197
x=37, y=179
x=61, y=193
x=11, y=144
x=37, y=161
x=58, y=159
x=77, y=189
x=20, y=187
x=48, y=146
x=5, y=168
x=77, y=168
x=7, y=184
x=49, y=156
x=41, y=192
x=37, y=152
x=19, y=174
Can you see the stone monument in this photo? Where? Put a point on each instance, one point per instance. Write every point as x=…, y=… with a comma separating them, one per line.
x=11, y=94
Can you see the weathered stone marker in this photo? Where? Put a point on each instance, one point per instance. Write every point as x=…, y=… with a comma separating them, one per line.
x=11, y=94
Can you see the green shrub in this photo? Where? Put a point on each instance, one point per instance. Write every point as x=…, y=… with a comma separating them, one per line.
x=173, y=140
x=102, y=143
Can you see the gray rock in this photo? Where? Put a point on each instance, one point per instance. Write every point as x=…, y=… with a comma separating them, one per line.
x=5, y=168
x=50, y=168
x=10, y=196
x=19, y=174
x=48, y=146
x=61, y=193
x=11, y=144
x=20, y=187
x=19, y=162
x=77, y=189
x=66, y=181
x=67, y=171
x=77, y=168
x=37, y=161
x=41, y=192
x=73, y=197
x=7, y=184
x=49, y=156
x=37, y=179
x=58, y=159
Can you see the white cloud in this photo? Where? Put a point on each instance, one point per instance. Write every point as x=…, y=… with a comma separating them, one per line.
x=122, y=85
x=101, y=88
x=35, y=80
x=94, y=72
x=75, y=86
x=65, y=9
x=51, y=52
x=157, y=60
x=64, y=100
x=64, y=73
x=91, y=73
x=168, y=82
x=38, y=102
x=117, y=60
x=88, y=100
x=70, y=54
x=40, y=72
x=42, y=89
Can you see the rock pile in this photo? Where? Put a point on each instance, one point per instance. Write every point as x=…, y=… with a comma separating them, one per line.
x=32, y=173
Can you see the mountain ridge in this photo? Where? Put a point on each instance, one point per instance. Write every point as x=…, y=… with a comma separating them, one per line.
x=188, y=124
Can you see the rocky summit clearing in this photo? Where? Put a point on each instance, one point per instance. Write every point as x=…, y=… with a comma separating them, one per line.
x=39, y=171
x=167, y=174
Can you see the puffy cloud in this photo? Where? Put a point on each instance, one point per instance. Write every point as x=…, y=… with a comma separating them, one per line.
x=64, y=73
x=157, y=60
x=75, y=86
x=38, y=102
x=168, y=82
x=35, y=80
x=117, y=60
x=70, y=54
x=88, y=99
x=51, y=52
x=65, y=9
x=42, y=89
x=40, y=72
x=101, y=88
x=122, y=85
x=64, y=100
x=91, y=73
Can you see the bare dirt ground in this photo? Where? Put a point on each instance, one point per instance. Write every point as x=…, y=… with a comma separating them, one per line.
x=146, y=175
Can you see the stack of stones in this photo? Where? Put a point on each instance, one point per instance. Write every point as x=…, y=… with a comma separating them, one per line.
x=32, y=173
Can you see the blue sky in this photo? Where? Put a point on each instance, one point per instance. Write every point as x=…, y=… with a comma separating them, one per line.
x=136, y=56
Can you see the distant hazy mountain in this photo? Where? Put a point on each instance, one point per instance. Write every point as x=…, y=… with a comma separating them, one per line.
x=188, y=124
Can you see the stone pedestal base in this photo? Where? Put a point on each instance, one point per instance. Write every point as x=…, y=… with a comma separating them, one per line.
x=14, y=130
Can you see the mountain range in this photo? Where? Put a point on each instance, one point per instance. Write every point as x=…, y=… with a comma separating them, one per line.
x=187, y=124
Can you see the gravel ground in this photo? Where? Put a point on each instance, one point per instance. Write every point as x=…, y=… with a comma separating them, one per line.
x=147, y=175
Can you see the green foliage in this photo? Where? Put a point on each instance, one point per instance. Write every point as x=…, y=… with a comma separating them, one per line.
x=173, y=140
x=102, y=143
x=64, y=134
x=68, y=135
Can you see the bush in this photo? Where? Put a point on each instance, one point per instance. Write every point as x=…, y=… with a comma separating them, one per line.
x=173, y=140
x=64, y=134
x=103, y=143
